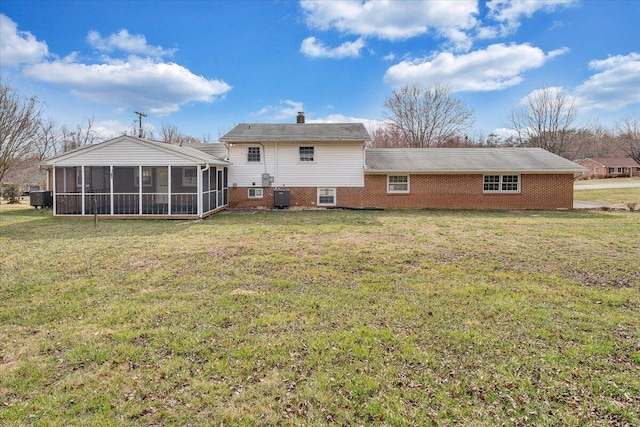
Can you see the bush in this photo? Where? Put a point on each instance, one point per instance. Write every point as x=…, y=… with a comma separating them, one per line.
x=11, y=192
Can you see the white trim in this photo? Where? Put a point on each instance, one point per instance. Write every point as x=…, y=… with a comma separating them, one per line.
x=501, y=184
x=407, y=191
x=260, y=153
x=327, y=189
x=256, y=191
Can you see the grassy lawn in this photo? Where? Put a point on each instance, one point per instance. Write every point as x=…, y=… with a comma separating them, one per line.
x=321, y=317
x=617, y=197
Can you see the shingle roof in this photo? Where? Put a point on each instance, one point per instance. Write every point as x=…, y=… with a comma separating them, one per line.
x=297, y=132
x=212, y=149
x=467, y=160
x=620, y=162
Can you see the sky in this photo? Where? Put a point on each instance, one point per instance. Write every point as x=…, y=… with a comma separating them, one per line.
x=206, y=66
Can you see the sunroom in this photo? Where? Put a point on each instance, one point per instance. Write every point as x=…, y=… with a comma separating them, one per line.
x=129, y=177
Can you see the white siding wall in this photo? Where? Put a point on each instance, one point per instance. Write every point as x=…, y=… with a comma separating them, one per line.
x=124, y=153
x=334, y=165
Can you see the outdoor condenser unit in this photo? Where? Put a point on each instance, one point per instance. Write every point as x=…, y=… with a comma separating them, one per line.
x=281, y=199
x=43, y=199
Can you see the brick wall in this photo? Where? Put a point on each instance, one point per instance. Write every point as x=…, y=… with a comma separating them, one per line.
x=430, y=191
x=465, y=192
x=299, y=197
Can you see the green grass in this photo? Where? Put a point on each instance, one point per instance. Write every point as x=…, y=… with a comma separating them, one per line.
x=321, y=317
x=619, y=197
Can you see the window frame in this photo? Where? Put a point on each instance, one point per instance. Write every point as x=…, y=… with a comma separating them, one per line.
x=408, y=184
x=189, y=180
x=303, y=157
x=329, y=189
x=502, y=184
x=255, y=193
x=250, y=154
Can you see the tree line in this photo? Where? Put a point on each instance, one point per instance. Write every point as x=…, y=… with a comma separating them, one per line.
x=416, y=116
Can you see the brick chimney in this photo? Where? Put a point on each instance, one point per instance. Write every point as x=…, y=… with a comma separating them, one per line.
x=300, y=118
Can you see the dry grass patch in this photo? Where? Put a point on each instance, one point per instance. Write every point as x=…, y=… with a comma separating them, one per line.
x=309, y=318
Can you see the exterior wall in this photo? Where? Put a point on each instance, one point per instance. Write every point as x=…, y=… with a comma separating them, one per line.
x=465, y=192
x=124, y=152
x=299, y=196
x=430, y=192
x=334, y=165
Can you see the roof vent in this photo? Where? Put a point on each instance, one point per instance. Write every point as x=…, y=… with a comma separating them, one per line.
x=300, y=118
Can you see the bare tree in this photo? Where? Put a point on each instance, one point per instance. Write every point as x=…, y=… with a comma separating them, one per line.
x=388, y=136
x=628, y=130
x=427, y=116
x=545, y=120
x=47, y=142
x=83, y=134
x=170, y=133
x=19, y=123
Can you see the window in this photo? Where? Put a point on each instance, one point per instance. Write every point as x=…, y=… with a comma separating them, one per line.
x=501, y=184
x=326, y=196
x=306, y=154
x=189, y=177
x=397, y=183
x=253, y=154
x=147, y=177
x=255, y=193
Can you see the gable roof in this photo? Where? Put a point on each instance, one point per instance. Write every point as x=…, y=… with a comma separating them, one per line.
x=212, y=148
x=297, y=132
x=466, y=160
x=621, y=162
x=127, y=149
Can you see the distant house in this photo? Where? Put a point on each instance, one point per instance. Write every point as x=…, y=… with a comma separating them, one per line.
x=610, y=167
x=129, y=177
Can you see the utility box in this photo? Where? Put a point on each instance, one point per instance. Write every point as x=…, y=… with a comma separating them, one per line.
x=281, y=199
x=42, y=199
x=267, y=180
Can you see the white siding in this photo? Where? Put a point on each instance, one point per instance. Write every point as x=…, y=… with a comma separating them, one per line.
x=334, y=165
x=124, y=152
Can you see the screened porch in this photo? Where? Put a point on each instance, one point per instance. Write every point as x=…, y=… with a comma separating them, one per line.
x=139, y=190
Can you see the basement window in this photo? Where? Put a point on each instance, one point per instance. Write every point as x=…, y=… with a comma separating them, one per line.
x=501, y=184
x=326, y=196
x=255, y=193
x=397, y=183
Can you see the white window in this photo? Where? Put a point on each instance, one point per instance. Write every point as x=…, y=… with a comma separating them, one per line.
x=397, y=183
x=306, y=154
x=501, y=184
x=326, y=196
x=253, y=154
x=255, y=193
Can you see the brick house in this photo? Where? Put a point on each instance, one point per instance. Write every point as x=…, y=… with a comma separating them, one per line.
x=609, y=167
x=329, y=165
x=299, y=165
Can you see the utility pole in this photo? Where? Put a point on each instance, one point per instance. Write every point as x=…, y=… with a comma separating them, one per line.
x=140, y=116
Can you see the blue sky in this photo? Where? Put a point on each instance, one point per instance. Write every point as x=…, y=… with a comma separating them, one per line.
x=205, y=66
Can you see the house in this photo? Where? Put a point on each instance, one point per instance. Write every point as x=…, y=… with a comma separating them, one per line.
x=317, y=164
x=609, y=167
x=129, y=177
x=328, y=165
x=300, y=165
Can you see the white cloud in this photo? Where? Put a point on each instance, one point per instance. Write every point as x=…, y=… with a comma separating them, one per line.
x=285, y=110
x=340, y=118
x=509, y=13
x=497, y=67
x=315, y=49
x=157, y=87
x=19, y=47
x=615, y=85
x=129, y=43
x=392, y=20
